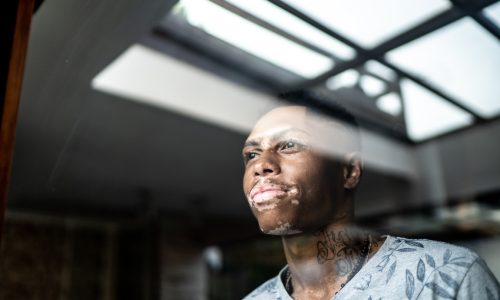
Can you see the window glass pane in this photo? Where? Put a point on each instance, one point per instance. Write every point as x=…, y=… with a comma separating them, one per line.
x=493, y=13
x=427, y=115
x=285, y=21
x=368, y=22
x=346, y=79
x=379, y=69
x=371, y=86
x=250, y=37
x=390, y=103
x=462, y=60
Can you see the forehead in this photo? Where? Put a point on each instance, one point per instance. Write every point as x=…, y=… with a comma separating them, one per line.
x=281, y=119
x=324, y=134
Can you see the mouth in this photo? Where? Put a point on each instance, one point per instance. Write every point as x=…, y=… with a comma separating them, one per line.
x=265, y=194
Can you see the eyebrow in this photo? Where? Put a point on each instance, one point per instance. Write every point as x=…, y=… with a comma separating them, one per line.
x=274, y=136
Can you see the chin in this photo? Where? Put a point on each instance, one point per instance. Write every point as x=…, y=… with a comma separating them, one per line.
x=279, y=229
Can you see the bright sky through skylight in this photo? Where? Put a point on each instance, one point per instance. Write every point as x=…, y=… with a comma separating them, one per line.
x=254, y=39
x=346, y=79
x=390, y=103
x=493, y=13
x=285, y=21
x=371, y=86
x=462, y=59
x=369, y=22
x=427, y=115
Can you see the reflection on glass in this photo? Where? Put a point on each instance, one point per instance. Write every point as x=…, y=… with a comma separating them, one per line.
x=367, y=22
x=285, y=21
x=428, y=115
x=142, y=74
x=251, y=38
x=461, y=59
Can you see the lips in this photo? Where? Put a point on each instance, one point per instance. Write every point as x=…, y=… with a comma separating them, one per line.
x=263, y=194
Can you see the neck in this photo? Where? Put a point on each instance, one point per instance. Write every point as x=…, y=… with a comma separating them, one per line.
x=320, y=262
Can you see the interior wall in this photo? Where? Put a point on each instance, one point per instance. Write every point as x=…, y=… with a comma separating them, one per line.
x=461, y=165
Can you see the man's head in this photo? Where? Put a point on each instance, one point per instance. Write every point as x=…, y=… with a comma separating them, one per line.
x=300, y=170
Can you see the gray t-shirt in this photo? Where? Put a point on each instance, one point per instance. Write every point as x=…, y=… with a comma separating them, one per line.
x=409, y=269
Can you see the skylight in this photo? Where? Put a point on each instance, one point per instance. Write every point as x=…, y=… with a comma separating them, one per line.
x=379, y=69
x=462, y=60
x=493, y=13
x=346, y=79
x=253, y=38
x=150, y=77
x=371, y=86
x=285, y=21
x=427, y=115
x=390, y=103
x=369, y=22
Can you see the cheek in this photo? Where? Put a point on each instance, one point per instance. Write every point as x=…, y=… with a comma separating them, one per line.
x=247, y=181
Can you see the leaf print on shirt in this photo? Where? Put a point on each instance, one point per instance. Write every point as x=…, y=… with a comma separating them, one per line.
x=431, y=282
x=448, y=280
x=410, y=284
x=391, y=271
x=436, y=289
x=430, y=260
x=414, y=243
x=489, y=294
x=420, y=270
x=446, y=256
x=400, y=245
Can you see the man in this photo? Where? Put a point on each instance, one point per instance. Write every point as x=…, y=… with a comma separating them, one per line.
x=301, y=190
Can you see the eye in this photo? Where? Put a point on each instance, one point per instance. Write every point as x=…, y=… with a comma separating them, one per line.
x=249, y=156
x=289, y=145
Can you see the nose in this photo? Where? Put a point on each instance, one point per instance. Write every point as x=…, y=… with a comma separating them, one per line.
x=267, y=165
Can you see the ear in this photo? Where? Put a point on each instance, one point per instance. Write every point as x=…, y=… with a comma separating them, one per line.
x=352, y=170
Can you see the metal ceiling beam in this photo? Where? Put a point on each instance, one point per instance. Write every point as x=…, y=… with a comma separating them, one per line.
x=478, y=16
x=431, y=88
x=254, y=19
x=364, y=55
x=378, y=52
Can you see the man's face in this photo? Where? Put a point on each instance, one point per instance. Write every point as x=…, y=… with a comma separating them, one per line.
x=289, y=186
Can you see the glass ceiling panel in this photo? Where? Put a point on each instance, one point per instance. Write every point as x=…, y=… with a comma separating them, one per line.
x=369, y=22
x=285, y=21
x=428, y=115
x=250, y=37
x=493, y=13
x=390, y=103
x=462, y=60
x=379, y=69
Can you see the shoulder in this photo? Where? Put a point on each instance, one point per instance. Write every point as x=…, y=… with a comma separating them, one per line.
x=432, y=252
x=267, y=290
x=429, y=268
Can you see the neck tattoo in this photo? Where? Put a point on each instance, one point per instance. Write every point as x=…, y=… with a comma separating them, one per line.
x=363, y=256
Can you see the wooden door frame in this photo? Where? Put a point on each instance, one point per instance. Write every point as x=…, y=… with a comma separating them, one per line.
x=14, y=36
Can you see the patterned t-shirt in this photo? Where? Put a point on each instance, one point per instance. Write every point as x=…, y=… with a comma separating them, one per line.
x=409, y=269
